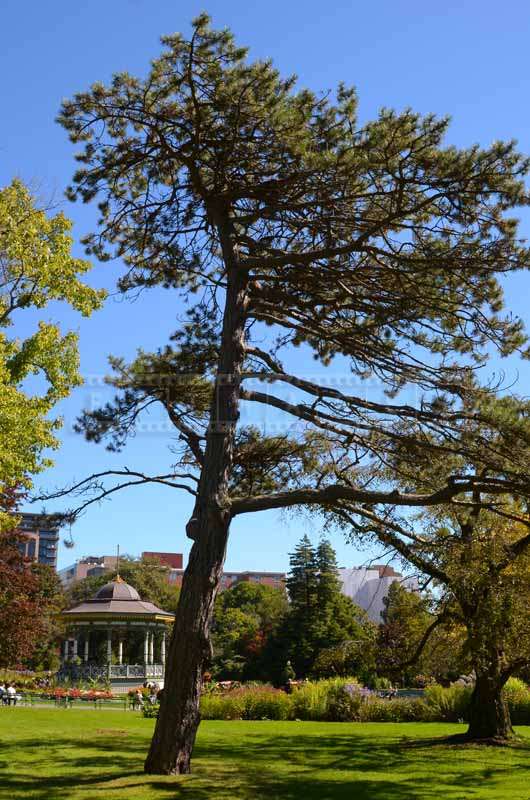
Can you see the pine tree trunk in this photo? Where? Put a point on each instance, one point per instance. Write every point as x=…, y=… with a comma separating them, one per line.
x=189, y=650
x=178, y=721
x=489, y=715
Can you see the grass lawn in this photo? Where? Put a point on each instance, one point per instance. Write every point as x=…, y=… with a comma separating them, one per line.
x=47, y=754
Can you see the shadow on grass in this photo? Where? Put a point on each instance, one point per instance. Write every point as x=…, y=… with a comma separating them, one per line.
x=292, y=766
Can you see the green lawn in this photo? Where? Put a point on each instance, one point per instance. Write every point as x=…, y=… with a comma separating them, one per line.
x=47, y=754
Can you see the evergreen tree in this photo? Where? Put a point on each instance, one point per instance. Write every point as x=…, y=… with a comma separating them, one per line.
x=329, y=585
x=321, y=617
x=268, y=206
x=302, y=579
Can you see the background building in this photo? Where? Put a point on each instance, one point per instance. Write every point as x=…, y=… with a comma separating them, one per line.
x=87, y=567
x=368, y=586
x=172, y=560
x=228, y=579
x=41, y=534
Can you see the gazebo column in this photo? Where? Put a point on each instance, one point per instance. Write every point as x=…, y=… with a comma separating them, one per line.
x=163, y=650
x=109, y=645
x=75, y=645
x=152, y=648
x=87, y=645
x=65, y=650
x=146, y=647
x=120, y=649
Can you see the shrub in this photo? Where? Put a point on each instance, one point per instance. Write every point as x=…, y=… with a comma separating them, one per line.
x=406, y=709
x=343, y=700
x=311, y=701
x=223, y=706
x=421, y=681
x=150, y=710
x=262, y=702
x=267, y=704
x=380, y=684
x=448, y=704
x=517, y=693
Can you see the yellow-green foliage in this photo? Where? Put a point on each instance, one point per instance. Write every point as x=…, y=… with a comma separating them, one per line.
x=448, y=704
x=311, y=700
x=36, y=267
x=262, y=702
x=340, y=700
x=517, y=693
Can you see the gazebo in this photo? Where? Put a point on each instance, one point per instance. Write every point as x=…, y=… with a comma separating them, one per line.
x=115, y=636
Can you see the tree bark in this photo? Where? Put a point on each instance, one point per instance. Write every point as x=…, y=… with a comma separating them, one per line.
x=489, y=715
x=179, y=718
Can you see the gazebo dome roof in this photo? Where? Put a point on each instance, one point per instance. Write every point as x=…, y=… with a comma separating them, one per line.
x=117, y=599
x=117, y=589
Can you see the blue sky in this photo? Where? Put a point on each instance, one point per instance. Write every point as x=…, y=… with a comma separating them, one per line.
x=468, y=59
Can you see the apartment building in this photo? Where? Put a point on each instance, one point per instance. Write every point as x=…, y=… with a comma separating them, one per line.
x=87, y=567
x=41, y=538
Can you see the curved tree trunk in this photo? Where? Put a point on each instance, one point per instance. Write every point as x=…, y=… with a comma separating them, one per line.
x=176, y=728
x=178, y=720
x=489, y=715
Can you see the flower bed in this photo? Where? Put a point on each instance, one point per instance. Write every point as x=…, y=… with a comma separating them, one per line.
x=82, y=694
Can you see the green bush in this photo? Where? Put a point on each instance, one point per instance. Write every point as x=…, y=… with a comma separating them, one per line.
x=268, y=704
x=247, y=703
x=150, y=710
x=312, y=700
x=448, y=704
x=344, y=703
x=219, y=706
x=517, y=693
x=406, y=709
x=451, y=704
x=380, y=684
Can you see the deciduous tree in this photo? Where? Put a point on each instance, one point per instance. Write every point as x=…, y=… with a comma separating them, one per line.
x=406, y=618
x=36, y=267
x=246, y=617
x=477, y=552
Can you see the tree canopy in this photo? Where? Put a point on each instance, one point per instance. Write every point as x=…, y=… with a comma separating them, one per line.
x=247, y=618
x=30, y=596
x=36, y=267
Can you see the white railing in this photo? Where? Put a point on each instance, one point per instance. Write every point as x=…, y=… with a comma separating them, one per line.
x=112, y=671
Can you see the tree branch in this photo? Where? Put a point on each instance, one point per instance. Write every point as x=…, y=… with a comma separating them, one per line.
x=336, y=492
x=93, y=484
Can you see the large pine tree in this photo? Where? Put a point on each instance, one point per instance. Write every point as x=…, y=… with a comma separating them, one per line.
x=286, y=223
x=302, y=580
